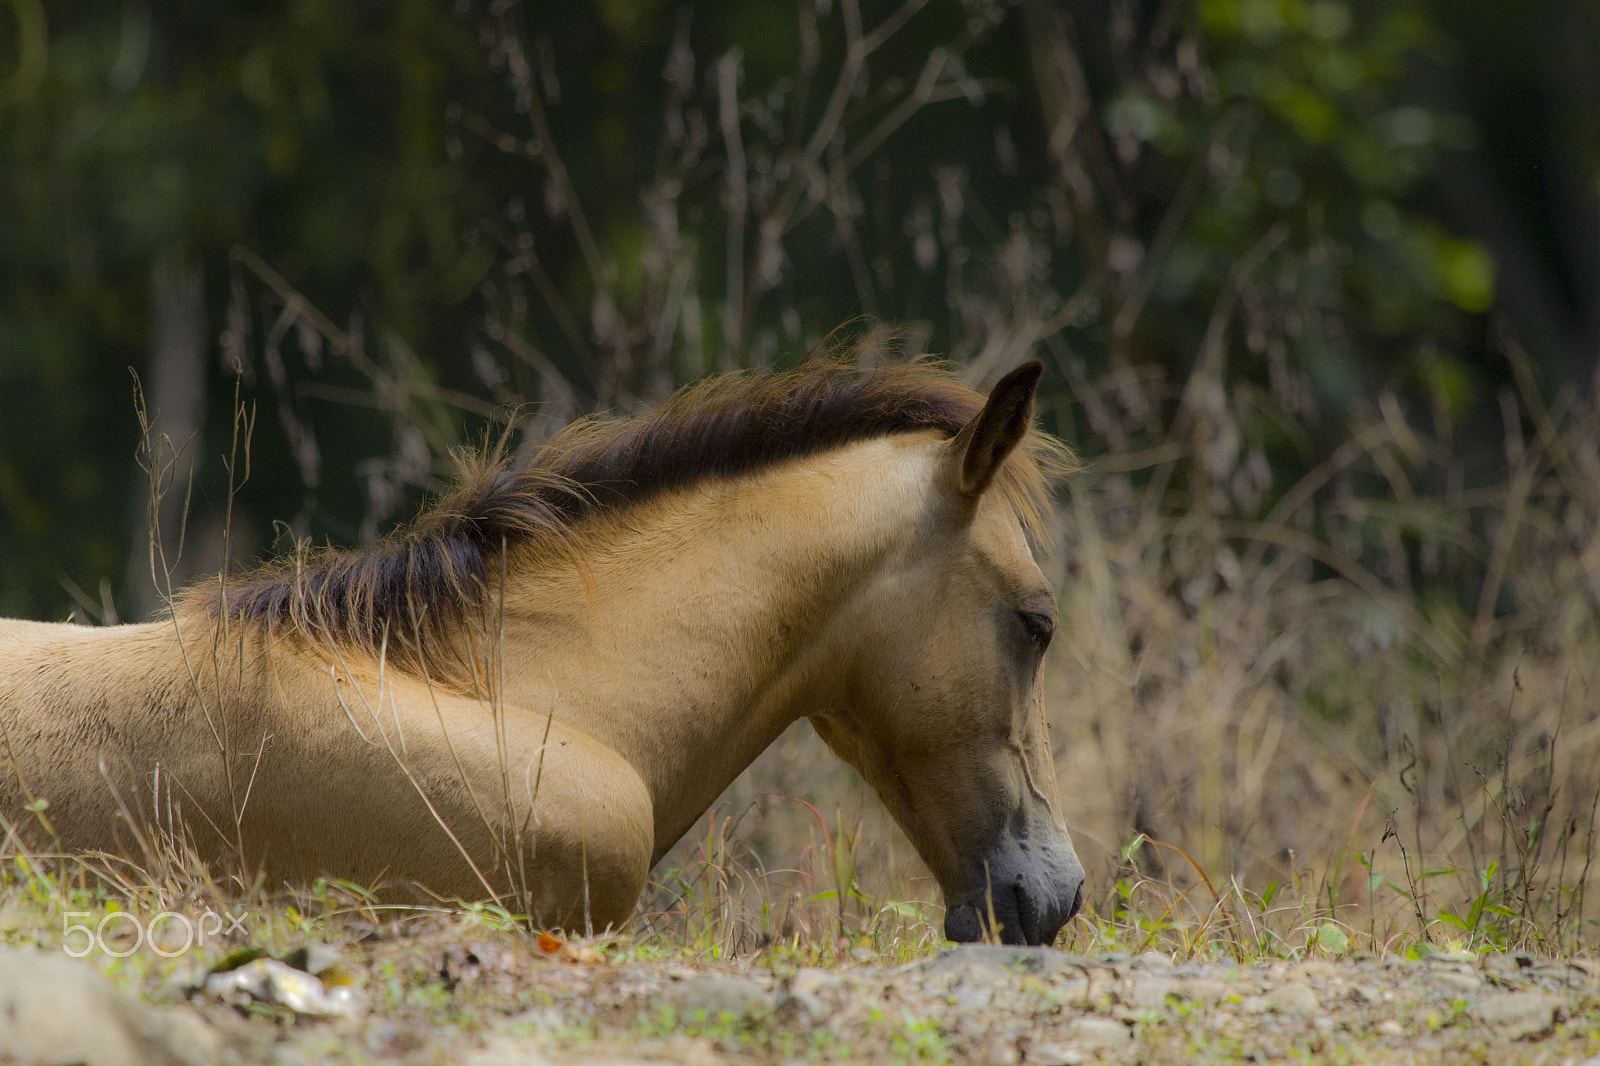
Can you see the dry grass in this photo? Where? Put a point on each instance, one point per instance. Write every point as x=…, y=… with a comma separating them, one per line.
x=1316, y=729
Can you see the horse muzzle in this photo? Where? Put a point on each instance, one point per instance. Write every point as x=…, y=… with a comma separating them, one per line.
x=1018, y=896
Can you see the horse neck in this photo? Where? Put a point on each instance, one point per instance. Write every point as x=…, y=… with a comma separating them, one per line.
x=693, y=631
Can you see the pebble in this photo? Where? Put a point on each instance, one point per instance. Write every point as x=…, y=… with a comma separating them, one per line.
x=1097, y=1032
x=1294, y=998
x=1049, y=1054
x=717, y=995
x=968, y=997
x=1254, y=1005
x=1516, y=1014
x=812, y=981
x=997, y=1051
x=801, y=1010
x=1389, y=1027
x=1200, y=990
x=1458, y=982
x=1150, y=992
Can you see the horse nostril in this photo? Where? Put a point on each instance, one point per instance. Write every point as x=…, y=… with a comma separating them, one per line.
x=1077, y=903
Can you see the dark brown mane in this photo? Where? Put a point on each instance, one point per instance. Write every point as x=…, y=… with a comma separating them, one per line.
x=398, y=597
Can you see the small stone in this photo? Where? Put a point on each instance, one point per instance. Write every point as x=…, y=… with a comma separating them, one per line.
x=1427, y=1019
x=1517, y=1015
x=813, y=981
x=1458, y=982
x=716, y=996
x=801, y=1010
x=1200, y=990
x=1389, y=1027
x=1150, y=992
x=996, y=1051
x=1153, y=960
x=1295, y=998
x=1363, y=994
x=284, y=1055
x=1054, y=1055
x=1591, y=969
x=681, y=1050
x=1267, y=1051
x=1097, y=1032
x=1254, y=1005
x=969, y=998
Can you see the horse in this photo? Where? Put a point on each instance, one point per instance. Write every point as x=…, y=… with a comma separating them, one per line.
x=536, y=688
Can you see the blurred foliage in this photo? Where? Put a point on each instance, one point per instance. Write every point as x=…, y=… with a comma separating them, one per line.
x=1233, y=217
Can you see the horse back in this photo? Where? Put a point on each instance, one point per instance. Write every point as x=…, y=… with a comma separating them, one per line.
x=86, y=713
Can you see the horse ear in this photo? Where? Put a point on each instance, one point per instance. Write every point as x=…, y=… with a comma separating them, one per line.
x=983, y=444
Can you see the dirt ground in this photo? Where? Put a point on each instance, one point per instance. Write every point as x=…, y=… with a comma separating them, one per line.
x=440, y=999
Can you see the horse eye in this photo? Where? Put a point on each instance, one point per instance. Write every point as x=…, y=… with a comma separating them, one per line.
x=1039, y=627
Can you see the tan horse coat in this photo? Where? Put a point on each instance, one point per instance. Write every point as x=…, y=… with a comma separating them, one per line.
x=612, y=672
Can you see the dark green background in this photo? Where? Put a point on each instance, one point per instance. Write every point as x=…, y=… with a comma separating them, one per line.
x=1418, y=184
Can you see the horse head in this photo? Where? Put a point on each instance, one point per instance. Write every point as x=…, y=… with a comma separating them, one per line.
x=942, y=710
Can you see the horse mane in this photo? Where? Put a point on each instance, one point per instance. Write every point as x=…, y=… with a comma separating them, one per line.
x=403, y=597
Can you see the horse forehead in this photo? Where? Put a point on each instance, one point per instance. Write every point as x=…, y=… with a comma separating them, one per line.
x=997, y=538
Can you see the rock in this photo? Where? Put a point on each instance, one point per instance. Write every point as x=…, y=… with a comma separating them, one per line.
x=813, y=981
x=1517, y=1015
x=1148, y=992
x=1200, y=990
x=1294, y=998
x=996, y=1051
x=718, y=995
x=969, y=998
x=1050, y=1054
x=285, y=1055
x=1096, y=1032
x=801, y=1010
x=1315, y=969
x=1254, y=1005
x=56, y=1010
x=1458, y=983
x=1153, y=960
x=1389, y=1027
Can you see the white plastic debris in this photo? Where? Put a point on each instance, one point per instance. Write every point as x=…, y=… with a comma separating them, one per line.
x=281, y=985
